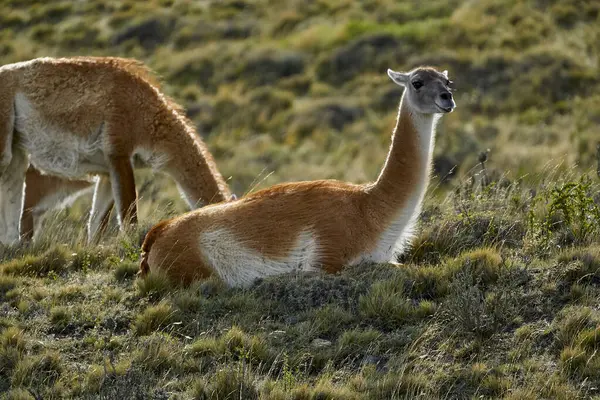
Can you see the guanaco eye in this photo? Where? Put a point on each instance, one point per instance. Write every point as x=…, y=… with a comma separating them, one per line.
x=417, y=84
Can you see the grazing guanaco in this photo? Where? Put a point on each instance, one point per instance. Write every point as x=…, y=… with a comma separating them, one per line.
x=320, y=225
x=81, y=116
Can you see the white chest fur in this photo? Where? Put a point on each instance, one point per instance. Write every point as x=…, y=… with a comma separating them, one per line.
x=55, y=151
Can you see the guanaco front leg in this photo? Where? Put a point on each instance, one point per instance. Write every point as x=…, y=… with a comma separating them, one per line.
x=102, y=203
x=123, y=188
x=12, y=185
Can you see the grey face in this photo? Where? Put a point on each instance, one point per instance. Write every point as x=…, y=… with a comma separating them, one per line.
x=427, y=90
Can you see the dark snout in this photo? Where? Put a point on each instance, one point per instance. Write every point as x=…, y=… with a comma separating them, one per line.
x=445, y=102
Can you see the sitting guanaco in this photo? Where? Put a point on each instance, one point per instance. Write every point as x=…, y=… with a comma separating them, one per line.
x=319, y=225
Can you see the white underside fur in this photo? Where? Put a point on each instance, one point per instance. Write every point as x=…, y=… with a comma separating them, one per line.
x=56, y=152
x=240, y=266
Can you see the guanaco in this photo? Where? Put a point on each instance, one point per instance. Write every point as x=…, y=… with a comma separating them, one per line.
x=310, y=226
x=82, y=116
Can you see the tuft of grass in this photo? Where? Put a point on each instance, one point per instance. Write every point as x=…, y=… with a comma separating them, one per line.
x=13, y=337
x=588, y=339
x=70, y=293
x=12, y=349
x=358, y=342
x=155, y=285
x=38, y=370
x=571, y=321
x=386, y=304
x=573, y=359
x=7, y=284
x=53, y=261
x=230, y=382
x=483, y=263
x=158, y=355
x=395, y=385
x=154, y=318
x=470, y=309
x=233, y=345
x=19, y=394
x=126, y=270
x=98, y=375
x=87, y=259
x=60, y=318
x=579, y=265
x=332, y=320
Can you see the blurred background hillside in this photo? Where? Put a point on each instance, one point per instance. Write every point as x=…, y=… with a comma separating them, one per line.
x=297, y=90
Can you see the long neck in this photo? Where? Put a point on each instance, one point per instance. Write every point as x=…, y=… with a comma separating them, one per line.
x=194, y=169
x=406, y=171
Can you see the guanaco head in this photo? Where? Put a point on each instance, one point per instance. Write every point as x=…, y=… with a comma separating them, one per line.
x=427, y=90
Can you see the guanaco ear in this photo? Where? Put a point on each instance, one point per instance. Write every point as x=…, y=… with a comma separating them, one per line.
x=398, y=77
x=445, y=73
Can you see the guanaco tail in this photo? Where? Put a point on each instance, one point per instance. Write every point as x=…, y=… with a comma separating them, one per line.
x=82, y=116
x=308, y=226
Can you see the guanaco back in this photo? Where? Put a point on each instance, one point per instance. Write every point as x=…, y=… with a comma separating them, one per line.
x=75, y=117
x=321, y=225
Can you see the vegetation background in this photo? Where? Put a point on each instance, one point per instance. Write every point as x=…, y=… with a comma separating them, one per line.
x=499, y=294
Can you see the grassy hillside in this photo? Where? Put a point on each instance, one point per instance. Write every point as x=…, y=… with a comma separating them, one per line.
x=498, y=297
x=298, y=88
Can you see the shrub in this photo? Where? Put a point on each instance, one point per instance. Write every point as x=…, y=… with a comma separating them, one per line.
x=570, y=214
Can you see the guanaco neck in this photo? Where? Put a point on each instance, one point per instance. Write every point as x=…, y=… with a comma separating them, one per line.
x=192, y=166
x=405, y=174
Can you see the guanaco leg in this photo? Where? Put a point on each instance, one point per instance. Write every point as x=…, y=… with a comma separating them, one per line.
x=12, y=187
x=123, y=187
x=102, y=203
